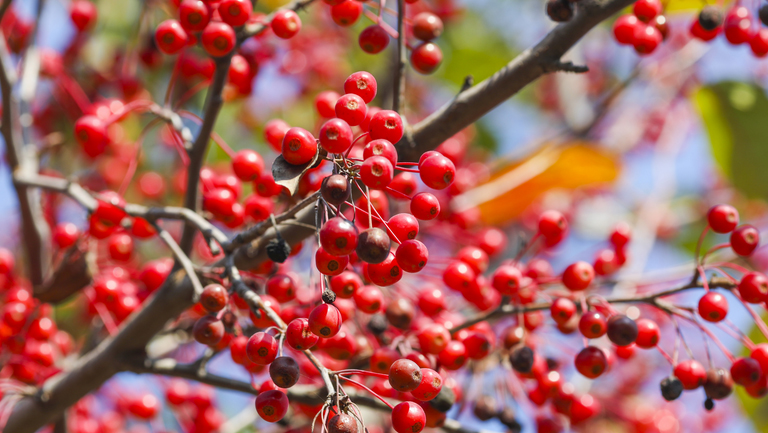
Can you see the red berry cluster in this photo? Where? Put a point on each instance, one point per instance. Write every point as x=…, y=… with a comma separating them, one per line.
x=737, y=24
x=645, y=29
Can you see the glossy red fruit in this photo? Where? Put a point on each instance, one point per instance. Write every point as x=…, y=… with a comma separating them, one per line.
x=437, y=171
x=425, y=206
x=65, y=235
x=454, y=356
x=286, y=24
x=338, y=236
x=214, y=298
x=426, y=58
x=208, y=330
x=562, y=310
x=746, y=371
x=624, y=29
x=427, y=26
x=404, y=375
x=591, y=362
x=621, y=235
x=299, y=336
x=91, y=133
x=329, y=264
x=260, y=318
x=362, y=84
x=247, y=165
x=272, y=405
x=235, y=12
x=83, y=14
x=336, y=136
x=373, y=39
x=606, y=262
x=218, y=39
x=258, y=208
x=325, y=321
x=121, y=247
x=738, y=25
x=507, y=280
x=377, y=172
x=433, y=338
x=753, y=288
x=705, y=35
x=381, y=147
x=552, y=224
x=430, y=385
x=646, y=10
x=299, y=146
x=261, y=348
x=345, y=284
x=745, y=239
x=351, y=109
x=274, y=131
x=691, y=373
x=346, y=13
x=170, y=37
x=713, y=307
x=593, y=324
x=412, y=256
x=385, y=273
x=194, y=15
x=722, y=218
x=578, y=276
x=408, y=417
x=759, y=42
x=386, y=124
x=648, y=333
x=647, y=38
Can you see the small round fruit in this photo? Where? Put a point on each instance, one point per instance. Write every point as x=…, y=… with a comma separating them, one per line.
x=404, y=375
x=713, y=306
x=272, y=405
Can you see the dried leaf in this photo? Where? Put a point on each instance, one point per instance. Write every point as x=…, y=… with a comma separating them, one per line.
x=289, y=175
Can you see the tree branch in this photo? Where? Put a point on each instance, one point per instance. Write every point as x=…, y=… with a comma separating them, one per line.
x=473, y=103
x=398, y=94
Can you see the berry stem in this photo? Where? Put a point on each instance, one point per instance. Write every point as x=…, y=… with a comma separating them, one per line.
x=367, y=389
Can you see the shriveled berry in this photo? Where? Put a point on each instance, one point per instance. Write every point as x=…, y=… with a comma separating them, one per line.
x=622, y=331
x=284, y=371
x=671, y=388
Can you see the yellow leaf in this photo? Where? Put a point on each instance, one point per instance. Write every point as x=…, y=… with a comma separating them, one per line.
x=514, y=186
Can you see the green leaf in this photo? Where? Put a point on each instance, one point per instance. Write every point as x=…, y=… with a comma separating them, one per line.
x=734, y=116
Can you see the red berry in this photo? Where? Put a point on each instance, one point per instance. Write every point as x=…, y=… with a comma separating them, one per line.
x=345, y=284
x=606, y=262
x=274, y=131
x=433, y=338
x=235, y=12
x=593, y=324
x=351, y=109
x=329, y=264
x=91, y=133
x=403, y=227
x=431, y=301
x=272, y=405
x=194, y=15
x=426, y=58
x=261, y=348
x=381, y=148
x=562, y=310
x=121, y=247
x=214, y=298
x=385, y=273
x=369, y=299
x=591, y=362
x=404, y=375
x=377, y=172
x=552, y=224
x=412, y=256
x=646, y=39
x=738, y=25
x=346, y=13
x=299, y=336
x=646, y=10
x=299, y=146
x=753, y=287
x=247, y=165
x=218, y=39
x=454, y=356
x=746, y=371
x=759, y=42
x=373, y=39
x=386, y=124
x=336, y=136
x=65, y=235
x=286, y=24
x=208, y=330
x=170, y=37
x=362, y=84
x=460, y=277
x=624, y=29
x=713, y=307
x=578, y=276
x=427, y=26
x=723, y=218
x=260, y=318
x=506, y=280
x=430, y=385
x=258, y=208
x=325, y=103
x=325, y=321
x=83, y=14
x=404, y=183
x=621, y=235
x=648, y=333
x=425, y=206
x=744, y=240
x=408, y=417
x=338, y=236
x=691, y=373
x=437, y=172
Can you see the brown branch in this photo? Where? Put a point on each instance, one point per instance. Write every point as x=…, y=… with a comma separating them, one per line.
x=213, y=103
x=473, y=103
x=650, y=298
x=183, y=260
x=398, y=93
